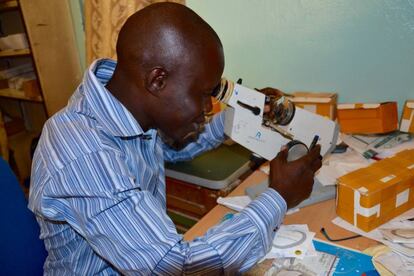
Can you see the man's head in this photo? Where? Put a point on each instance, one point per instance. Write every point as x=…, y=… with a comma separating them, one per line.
x=169, y=61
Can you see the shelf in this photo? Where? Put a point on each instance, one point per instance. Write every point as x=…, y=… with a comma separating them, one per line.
x=13, y=53
x=8, y=5
x=19, y=95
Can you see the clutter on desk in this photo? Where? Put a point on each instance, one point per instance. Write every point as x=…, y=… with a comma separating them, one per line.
x=236, y=203
x=321, y=264
x=399, y=235
x=337, y=165
x=395, y=264
x=407, y=121
x=365, y=118
x=292, y=241
x=371, y=196
x=323, y=104
x=377, y=146
x=362, y=151
x=400, y=258
x=328, y=259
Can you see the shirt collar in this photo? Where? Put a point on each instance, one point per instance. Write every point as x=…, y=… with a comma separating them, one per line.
x=110, y=113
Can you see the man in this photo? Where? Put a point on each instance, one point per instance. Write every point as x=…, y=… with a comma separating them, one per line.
x=98, y=183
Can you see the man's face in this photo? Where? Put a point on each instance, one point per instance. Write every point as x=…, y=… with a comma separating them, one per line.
x=186, y=101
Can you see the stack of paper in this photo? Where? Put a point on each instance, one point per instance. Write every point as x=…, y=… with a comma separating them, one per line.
x=293, y=253
x=398, y=235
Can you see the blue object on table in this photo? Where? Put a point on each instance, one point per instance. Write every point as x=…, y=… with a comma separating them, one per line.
x=351, y=262
x=21, y=250
x=227, y=216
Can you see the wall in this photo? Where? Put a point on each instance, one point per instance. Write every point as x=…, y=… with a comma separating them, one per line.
x=363, y=50
x=76, y=9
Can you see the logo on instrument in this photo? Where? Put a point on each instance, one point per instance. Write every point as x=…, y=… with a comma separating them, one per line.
x=257, y=137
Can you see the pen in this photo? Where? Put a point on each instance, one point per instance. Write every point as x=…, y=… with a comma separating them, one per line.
x=314, y=141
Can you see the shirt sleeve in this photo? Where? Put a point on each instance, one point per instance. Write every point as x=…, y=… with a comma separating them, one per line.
x=212, y=137
x=130, y=229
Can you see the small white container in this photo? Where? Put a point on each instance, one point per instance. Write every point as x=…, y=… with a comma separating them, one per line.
x=14, y=41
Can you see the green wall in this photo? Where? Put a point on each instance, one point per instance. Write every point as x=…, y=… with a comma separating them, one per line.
x=363, y=50
x=76, y=9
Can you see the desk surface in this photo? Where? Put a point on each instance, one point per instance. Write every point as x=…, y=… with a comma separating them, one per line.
x=315, y=216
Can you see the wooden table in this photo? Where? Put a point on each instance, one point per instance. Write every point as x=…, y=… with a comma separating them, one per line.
x=315, y=216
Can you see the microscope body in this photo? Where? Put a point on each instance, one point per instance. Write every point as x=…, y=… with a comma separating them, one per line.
x=245, y=124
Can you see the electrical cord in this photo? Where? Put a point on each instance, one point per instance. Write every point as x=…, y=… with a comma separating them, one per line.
x=323, y=231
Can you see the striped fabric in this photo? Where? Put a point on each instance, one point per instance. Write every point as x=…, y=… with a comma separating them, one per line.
x=98, y=190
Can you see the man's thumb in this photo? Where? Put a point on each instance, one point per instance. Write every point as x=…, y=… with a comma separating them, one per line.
x=283, y=154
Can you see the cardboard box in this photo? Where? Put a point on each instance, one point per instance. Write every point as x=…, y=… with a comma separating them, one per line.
x=407, y=119
x=31, y=88
x=14, y=41
x=323, y=104
x=371, y=196
x=368, y=118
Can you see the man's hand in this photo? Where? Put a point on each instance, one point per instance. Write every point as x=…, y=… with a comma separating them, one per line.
x=294, y=180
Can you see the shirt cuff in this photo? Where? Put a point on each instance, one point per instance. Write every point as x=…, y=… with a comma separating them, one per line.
x=217, y=127
x=267, y=213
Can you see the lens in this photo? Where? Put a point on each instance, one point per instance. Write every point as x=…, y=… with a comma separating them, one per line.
x=223, y=91
x=296, y=150
x=282, y=110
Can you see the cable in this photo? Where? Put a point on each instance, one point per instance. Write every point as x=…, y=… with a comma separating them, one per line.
x=323, y=231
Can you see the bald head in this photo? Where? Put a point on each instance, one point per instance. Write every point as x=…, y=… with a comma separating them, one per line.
x=169, y=61
x=164, y=34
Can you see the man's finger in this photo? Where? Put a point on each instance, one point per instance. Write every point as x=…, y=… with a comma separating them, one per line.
x=316, y=164
x=283, y=154
x=315, y=152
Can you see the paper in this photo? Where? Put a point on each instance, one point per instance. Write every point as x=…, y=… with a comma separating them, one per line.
x=236, y=203
x=292, y=241
x=396, y=264
x=399, y=235
x=398, y=222
x=339, y=164
x=319, y=265
x=381, y=146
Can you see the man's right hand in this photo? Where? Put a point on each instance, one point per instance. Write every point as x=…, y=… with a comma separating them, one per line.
x=294, y=180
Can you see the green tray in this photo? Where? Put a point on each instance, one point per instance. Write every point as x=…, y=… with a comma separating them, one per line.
x=215, y=169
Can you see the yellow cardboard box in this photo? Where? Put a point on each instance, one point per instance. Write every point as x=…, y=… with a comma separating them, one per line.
x=407, y=119
x=371, y=196
x=368, y=118
x=323, y=104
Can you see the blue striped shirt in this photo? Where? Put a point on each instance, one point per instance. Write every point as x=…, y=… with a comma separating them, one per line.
x=98, y=191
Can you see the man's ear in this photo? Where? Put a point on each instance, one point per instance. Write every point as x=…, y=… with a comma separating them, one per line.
x=156, y=80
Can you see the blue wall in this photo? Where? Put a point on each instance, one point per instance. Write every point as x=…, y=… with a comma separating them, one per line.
x=361, y=49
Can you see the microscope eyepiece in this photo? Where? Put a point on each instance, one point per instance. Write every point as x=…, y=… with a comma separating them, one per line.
x=280, y=112
x=223, y=91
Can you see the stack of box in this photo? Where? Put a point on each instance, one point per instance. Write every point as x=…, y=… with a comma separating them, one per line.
x=368, y=118
x=371, y=196
x=407, y=119
x=323, y=104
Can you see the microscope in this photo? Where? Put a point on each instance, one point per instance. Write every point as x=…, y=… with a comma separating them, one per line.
x=264, y=123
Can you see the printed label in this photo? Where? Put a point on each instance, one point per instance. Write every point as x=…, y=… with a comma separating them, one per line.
x=387, y=178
